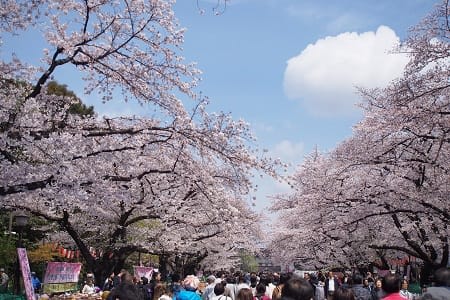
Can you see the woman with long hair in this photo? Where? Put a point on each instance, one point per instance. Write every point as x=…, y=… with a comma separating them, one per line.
x=344, y=294
x=244, y=294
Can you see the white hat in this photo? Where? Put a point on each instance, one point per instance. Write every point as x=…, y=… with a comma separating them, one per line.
x=191, y=281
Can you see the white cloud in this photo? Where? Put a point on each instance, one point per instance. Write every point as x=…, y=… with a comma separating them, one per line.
x=263, y=127
x=324, y=75
x=288, y=151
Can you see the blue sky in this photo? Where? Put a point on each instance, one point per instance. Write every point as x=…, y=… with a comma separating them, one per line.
x=332, y=45
x=288, y=67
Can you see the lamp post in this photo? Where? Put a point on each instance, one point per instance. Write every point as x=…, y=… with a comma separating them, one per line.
x=20, y=220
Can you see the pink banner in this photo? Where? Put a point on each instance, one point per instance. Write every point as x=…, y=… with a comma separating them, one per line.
x=26, y=274
x=62, y=272
x=143, y=272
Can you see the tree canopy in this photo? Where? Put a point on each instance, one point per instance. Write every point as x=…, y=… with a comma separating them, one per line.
x=384, y=191
x=176, y=183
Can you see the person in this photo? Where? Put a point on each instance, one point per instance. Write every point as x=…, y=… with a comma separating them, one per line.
x=105, y=295
x=309, y=278
x=441, y=288
x=271, y=284
x=190, y=284
x=260, y=292
x=404, y=290
x=253, y=283
x=245, y=293
x=161, y=292
x=230, y=287
x=377, y=291
x=346, y=281
x=297, y=289
x=117, y=277
x=109, y=283
x=156, y=278
x=367, y=285
x=320, y=292
x=391, y=286
x=360, y=292
x=145, y=289
x=126, y=290
x=370, y=279
x=208, y=293
x=241, y=284
x=35, y=282
x=331, y=285
x=89, y=287
x=220, y=276
x=344, y=293
x=176, y=285
x=276, y=295
x=219, y=292
x=4, y=281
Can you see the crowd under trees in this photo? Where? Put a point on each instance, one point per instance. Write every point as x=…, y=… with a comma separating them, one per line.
x=176, y=184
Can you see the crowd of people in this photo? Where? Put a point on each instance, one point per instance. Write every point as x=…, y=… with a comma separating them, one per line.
x=272, y=286
x=262, y=286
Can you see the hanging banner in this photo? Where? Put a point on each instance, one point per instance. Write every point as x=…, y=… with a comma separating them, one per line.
x=26, y=274
x=62, y=272
x=52, y=288
x=143, y=272
x=61, y=277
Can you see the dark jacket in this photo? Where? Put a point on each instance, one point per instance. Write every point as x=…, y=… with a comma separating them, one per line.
x=437, y=293
x=361, y=293
x=125, y=291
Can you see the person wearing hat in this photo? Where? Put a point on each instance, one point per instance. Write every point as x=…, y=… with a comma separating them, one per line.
x=209, y=290
x=89, y=287
x=4, y=280
x=190, y=284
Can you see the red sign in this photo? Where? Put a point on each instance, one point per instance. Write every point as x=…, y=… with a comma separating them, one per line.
x=26, y=274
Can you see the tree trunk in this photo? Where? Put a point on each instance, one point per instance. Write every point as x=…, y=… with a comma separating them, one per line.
x=105, y=266
x=163, y=264
x=427, y=271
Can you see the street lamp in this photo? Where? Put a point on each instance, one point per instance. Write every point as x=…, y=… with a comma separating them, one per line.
x=20, y=220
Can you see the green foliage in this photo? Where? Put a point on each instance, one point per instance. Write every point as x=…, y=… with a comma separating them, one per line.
x=78, y=107
x=39, y=256
x=145, y=258
x=7, y=252
x=248, y=262
x=33, y=233
x=81, y=109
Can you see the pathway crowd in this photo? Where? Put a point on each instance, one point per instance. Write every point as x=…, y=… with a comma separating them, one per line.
x=262, y=286
x=272, y=286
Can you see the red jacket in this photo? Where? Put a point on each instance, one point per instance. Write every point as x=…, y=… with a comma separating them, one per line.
x=394, y=296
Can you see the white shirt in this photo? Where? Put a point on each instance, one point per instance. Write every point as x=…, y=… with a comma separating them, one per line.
x=240, y=286
x=221, y=297
x=208, y=294
x=269, y=290
x=88, y=289
x=165, y=297
x=331, y=285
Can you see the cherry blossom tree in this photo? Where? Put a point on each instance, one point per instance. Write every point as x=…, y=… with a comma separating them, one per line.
x=173, y=185
x=385, y=189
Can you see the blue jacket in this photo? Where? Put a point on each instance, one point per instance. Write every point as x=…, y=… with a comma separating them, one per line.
x=187, y=295
x=35, y=282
